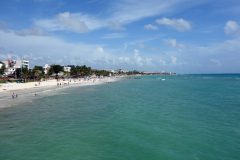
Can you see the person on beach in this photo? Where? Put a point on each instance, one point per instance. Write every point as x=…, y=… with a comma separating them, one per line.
x=13, y=96
x=16, y=95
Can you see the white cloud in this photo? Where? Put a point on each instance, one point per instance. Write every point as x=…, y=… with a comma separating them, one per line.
x=141, y=62
x=72, y=23
x=153, y=49
x=148, y=61
x=173, y=43
x=116, y=26
x=125, y=45
x=75, y=22
x=141, y=45
x=34, y=31
x=46, y=46
x=127, y=11
x=104, y=61
x=114, y=35
x=231, y=27
x=178, y=24
x=8, y=56
x=119, y=13
x=170, y=42
x=181, y=45
x=124, y=60
x=99, y=50
x=215, y=61
x=162, y=62
x=137, y=58
x=150, y=26
x=174, y=60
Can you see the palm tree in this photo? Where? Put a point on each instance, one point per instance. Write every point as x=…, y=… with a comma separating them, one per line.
x=66, y=73
x=24, y=76
x=50, y=72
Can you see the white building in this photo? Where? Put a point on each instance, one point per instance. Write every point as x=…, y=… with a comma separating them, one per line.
x=119, y=70
x=110, y=70
x=46, y=68
x=67, y=69
x=6, y=63
x=9, y=70
x=12, y=65
x=18, y=63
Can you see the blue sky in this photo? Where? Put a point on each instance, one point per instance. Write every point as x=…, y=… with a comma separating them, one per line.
x=182, y=36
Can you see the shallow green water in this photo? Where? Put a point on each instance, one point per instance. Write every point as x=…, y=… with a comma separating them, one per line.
x=183, y=117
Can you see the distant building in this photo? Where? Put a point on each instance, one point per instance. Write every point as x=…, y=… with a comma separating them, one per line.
x=66, y=68
x=12, y=65
x=18, y=63
x=110, y=70
x=72, y=66
x=119, y=70
x=46, y=68
x=7, y=63
x=9, y=71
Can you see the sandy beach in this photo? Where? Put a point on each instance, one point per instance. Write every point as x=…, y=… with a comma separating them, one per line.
x=21, y=88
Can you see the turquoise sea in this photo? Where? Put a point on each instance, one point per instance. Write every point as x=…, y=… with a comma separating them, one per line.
x=185, y=117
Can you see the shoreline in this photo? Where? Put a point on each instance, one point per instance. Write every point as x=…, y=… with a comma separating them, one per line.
x=50, y=83
x=27, y=91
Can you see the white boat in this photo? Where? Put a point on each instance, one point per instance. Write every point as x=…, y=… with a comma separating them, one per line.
x=162, y=79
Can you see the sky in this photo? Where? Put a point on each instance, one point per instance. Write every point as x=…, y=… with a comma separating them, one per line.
x=181, y=36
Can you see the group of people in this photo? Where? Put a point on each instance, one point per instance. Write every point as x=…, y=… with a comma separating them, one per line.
x=13, y=96
x=62, y=83
x=16, y=96
x=37, y=84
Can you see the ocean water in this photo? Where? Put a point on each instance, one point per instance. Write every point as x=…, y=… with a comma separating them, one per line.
x=184, y=117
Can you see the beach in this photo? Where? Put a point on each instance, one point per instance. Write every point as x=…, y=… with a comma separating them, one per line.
x=20, y=89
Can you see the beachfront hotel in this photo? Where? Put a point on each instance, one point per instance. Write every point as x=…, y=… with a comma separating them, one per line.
x=13, y=65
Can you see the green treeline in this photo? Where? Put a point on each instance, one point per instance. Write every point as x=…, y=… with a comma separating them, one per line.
x=38, y=73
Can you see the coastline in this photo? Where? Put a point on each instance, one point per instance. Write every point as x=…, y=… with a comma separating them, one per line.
x=26, y=91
